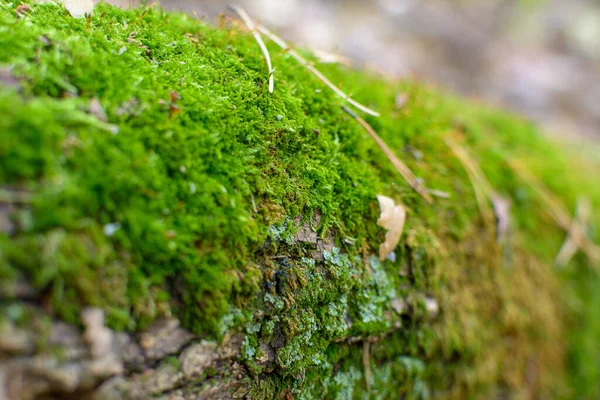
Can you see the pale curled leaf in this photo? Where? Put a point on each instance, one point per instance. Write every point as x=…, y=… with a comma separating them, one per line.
x=392, y=219
x=79, y=8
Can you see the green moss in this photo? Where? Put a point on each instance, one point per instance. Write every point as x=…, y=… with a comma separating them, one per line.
x=181, y=196
x=173, y=362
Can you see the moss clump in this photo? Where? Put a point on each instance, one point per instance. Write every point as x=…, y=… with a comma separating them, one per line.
x=162, y=178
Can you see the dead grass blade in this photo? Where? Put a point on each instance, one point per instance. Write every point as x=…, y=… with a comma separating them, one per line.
x=576, y=233
x=554, y=207
x=557, y=211
x=398, y=164
x=484, y=192
x=252, y=28
x=366, y=359
x=281, y=43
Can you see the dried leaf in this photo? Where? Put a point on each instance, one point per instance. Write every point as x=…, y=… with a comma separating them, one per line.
x=22, y=9
x=79, y=8
x=392, y=219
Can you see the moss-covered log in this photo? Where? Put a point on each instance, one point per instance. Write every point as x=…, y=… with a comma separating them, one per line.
x=170, y=228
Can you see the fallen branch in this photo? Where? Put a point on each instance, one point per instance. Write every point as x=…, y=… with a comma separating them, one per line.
x=400, y=166
x=262, y=29
x=252, y=28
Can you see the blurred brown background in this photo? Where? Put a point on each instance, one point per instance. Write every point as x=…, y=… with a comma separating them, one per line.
x=540, y=58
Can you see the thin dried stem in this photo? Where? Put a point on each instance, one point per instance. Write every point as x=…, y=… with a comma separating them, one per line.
x=439, y=193
x=400, y=166
x=472, y=166
x=484, y=192
x=262, y=29
x=556, y=210
x=366, y=359
x=554, y=206
x=576, y=233
x=252, y=28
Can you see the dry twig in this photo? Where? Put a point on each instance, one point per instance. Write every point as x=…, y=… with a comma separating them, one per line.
x=400, y=166
x=262, y=29
x=366, y=359
x=576, y=234
x=252, y=28
x=484, y=192
x=557, y=211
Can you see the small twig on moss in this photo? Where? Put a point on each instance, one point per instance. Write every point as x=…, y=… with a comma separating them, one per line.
x=576, y=233
x=262, y=29
x=400, y=166
x=480, y=191
x=252, y=28
x=557, y=211
x=439, y=193
x=366, y=359
x=484, y=192
x=554, y=206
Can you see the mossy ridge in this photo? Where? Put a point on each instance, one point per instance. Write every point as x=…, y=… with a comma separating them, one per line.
x=205, y=162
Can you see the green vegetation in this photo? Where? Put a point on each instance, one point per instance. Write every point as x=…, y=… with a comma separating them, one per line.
x=146, y=170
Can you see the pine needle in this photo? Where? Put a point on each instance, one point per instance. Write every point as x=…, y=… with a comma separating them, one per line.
x=472, y=166
x=556, y=210
x=484, y=192
x=252, y=28
x=366, y=359
x=262, y=29
x=576, y=233
x=400, y=166
x=439, y=193
x=554, y=207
